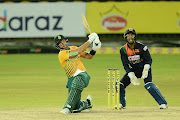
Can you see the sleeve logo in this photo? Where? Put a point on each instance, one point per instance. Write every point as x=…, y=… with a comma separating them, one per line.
x=145, y=48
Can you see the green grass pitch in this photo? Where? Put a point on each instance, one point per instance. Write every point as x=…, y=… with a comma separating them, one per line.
x=35, y=84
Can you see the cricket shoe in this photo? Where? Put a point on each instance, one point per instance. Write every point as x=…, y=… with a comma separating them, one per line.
x=120, y=106
x=163, y=106
x=88, y=108
x=76, y=111
x=89, y=100
x=65, y=111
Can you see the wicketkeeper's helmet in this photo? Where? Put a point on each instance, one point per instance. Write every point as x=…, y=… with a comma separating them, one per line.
x=130, y=30
x=59, y=38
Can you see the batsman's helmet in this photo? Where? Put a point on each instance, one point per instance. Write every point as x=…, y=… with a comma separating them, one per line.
x=130, y=30
x=59, y=38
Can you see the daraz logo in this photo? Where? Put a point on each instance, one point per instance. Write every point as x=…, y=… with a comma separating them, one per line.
x=4, y=21
x=50, y=23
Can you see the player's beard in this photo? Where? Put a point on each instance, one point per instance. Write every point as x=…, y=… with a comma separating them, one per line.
x=131, y=41
x=65, y=47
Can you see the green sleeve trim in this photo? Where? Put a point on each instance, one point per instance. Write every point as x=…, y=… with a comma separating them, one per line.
x=124, y=49
x=74, y=53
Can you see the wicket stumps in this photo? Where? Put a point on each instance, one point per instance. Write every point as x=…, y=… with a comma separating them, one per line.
x=113, y=88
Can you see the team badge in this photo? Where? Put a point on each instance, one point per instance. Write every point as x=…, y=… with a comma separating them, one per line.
x=136, y=51
x=130, y=29
x=59, y=37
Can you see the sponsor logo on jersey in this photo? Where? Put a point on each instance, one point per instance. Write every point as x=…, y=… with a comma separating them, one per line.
x=134, y=58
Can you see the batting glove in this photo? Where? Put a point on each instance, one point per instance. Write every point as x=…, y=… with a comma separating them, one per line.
x=96, y=44
x=92, y=37
x=133, y=78
x=145, y=71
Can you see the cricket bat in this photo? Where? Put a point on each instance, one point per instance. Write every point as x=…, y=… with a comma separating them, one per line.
x=86, y=23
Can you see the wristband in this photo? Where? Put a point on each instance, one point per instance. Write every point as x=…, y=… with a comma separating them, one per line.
x=92, y=52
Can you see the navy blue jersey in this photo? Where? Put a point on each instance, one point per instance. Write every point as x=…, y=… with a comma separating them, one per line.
x=134, y=59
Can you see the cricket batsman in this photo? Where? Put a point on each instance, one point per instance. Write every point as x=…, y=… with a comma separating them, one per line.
x=137, y=61
x=78, y=78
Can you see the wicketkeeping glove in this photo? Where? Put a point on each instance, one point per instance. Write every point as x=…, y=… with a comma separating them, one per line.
x=145, y=71
x=133, y=78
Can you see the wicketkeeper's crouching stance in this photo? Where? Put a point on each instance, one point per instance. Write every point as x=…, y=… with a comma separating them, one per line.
x=138, y=57
x=78, y=78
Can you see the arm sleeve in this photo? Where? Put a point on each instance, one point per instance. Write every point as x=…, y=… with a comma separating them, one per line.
x=146, y=55
x=125, y=61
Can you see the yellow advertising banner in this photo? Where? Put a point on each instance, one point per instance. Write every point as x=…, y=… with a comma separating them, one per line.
x=144, y=17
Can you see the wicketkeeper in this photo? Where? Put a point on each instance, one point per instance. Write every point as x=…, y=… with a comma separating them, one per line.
x=78, y=78
x=137, y=61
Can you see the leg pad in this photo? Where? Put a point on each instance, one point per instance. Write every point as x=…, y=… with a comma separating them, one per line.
x=122, y=95
x=156, y=94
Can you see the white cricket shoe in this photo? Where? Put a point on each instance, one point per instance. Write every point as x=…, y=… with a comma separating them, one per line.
x=89, y=99
x=65, y=111
x=163, y=106
x=120, y=106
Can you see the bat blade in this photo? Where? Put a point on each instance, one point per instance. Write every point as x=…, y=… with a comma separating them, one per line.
x=86, y=23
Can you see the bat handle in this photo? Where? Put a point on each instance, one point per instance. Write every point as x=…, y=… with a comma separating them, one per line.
x=89, y=30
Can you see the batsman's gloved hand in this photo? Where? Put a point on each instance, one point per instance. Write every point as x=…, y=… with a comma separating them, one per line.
x=92, y=37
x=133, y=78
x=145, y=71
x=96, y=44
